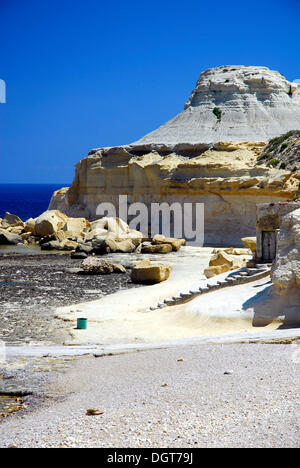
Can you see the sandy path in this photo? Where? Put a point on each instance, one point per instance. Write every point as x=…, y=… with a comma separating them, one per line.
x=256, y=405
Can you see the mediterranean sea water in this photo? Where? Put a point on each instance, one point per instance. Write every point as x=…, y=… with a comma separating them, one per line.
x=26, y=200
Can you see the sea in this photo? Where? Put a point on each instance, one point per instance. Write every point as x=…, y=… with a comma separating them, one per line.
x=26, y=200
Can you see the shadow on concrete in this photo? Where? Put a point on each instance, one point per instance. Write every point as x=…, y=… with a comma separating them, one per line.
x=269, y=307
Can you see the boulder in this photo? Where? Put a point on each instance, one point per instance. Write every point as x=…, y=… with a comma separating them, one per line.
x=79, y=255
x=68, y=245
x=11, y=220
x=112, y=245
x=118, y=268
x=26, y=236
x=96, y=233
x=135, y=237
x=221, y=258
x=51, y=245
x=8, y=238
x=76, y=226
x=87, y=249
x=216, y=270
x=114, y=225
x=96, y=266
x=175, y=243
x=115, y=245
x=117, y=226
x=159, y=248
x=249, y=243
x=146, y=272
x=16, y=230
x=50, y=222
x=62, y=235
x=30, y=226
x=49, y=238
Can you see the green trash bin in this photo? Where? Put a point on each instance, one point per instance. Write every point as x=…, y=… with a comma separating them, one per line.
x=82, y=323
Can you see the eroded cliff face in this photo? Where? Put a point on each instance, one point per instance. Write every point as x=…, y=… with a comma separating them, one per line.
x=183, y=161
x=226, y=178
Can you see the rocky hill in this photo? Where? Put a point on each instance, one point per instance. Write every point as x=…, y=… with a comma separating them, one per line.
x=234, y=103
x=283, y=152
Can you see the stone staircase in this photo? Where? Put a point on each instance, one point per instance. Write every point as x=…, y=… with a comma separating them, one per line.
x=233, y=278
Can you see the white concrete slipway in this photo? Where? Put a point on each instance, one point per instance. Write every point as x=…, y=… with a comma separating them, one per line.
x=220, y=316
x=265, y=336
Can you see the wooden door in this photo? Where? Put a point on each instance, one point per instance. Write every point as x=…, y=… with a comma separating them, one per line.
x=268, y=246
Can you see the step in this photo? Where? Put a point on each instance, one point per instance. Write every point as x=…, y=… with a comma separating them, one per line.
x=185, y=295
x=195, y=291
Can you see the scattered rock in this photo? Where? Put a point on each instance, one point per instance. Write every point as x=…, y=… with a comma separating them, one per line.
x=79, y=255
x=94, y=412
x=11, y=220
x=112, y=245
x=146, y=272
x=50, y=222
x=115, y=245
x=96, y=266
x=76, y=226
x=117, y=268
x=87, y=249
x=74, y=271
x=175, y=243
x=249, y=243
x=215, y=270
x=16, y=230
x=97, y=233
x=51, y=245
x=221, y=262
x=159, y=248
x=221, y=258
x=30, y=226
x=68, y=245
x=8, y=238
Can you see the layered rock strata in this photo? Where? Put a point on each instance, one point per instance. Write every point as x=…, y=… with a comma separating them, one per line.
x=226, y=179
x=234, y=103
x=209, y=154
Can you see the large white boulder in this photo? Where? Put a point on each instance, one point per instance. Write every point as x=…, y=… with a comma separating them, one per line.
x=76, y=226
x=50, y=222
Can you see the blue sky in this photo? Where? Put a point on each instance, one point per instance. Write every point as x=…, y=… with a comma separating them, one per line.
x=84, y=74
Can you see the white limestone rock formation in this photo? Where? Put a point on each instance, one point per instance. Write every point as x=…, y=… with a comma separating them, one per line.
x=206, y=154
x=233, y=103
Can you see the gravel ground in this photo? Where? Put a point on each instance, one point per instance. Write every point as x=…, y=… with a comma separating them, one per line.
x=32, y=286
x=197, y=396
